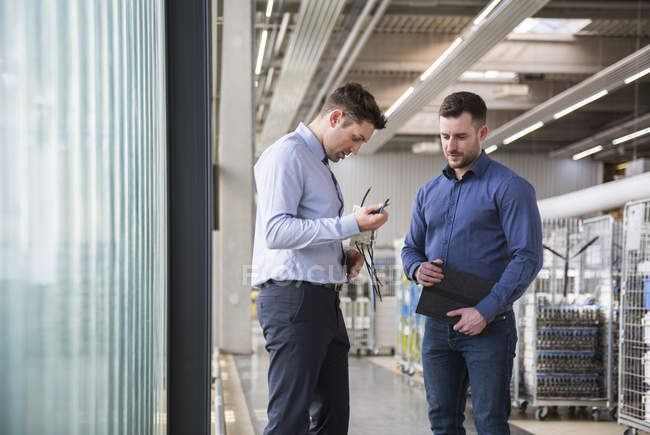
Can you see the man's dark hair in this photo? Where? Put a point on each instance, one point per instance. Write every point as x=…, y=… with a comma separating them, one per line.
x=356, y=103
x=455, y=104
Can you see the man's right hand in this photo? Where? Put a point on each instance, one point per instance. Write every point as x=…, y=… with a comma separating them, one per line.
x=428, y=274
x=367, y=220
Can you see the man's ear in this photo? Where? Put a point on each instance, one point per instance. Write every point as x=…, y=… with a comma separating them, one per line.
x=482, y=133
x=335, y=117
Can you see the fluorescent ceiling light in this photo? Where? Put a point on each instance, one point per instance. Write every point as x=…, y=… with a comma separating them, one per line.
x=485, y=12
x=442, y=57
x=399, y=101
x=579, y=104
x=260, y=54
x=558, y=26
x=283, y=31
x=631, y=136
x=523, y=132
x=489, y=75
x=491, y=149
x=588, y=152
x=637, y=76
x=269, y=8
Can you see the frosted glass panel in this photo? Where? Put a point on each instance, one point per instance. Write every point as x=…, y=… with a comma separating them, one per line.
x=83, y=245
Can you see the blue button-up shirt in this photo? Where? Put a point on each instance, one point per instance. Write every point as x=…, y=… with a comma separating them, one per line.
x=486, y=224
x=298, y=230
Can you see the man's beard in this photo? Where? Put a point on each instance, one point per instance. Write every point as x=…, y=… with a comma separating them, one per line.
x=464, y=161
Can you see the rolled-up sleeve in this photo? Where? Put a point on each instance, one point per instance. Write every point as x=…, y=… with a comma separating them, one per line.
x=521, y=223
x=279, y=182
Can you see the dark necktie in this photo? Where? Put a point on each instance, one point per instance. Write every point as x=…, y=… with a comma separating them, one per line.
x=336, y=185
x=338, y=195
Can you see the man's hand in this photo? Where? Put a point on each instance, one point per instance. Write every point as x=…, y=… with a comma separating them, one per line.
x=471, y=321
x=369, y=221
x=428, y=274
x=353, y=262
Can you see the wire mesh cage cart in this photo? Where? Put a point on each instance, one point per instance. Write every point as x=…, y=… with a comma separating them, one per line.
x=634, y=338
x=370, y=325
x=565, y=342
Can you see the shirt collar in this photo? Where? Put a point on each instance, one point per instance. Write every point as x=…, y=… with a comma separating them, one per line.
x=312, y=141
x=478, y=167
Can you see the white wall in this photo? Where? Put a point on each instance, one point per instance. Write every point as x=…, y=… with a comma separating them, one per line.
x=401, y=174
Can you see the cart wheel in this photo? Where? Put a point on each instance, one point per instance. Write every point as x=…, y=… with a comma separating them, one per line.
x=595, y=414
x=613, y=413
x=541, y=413
x=523, y=406
x=630, y=431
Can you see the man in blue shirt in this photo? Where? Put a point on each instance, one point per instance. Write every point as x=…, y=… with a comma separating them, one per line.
x=299, y=263
x=478, y=217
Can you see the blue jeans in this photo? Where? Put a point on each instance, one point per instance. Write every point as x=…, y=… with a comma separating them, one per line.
x=451, y=361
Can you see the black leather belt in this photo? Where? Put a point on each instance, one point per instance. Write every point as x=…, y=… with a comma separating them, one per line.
x=332, y=286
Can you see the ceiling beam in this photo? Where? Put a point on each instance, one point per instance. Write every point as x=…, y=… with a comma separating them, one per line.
x=316, y=20
x=477, y=40
x=348, y=53
x=611, y=78
x=402, y=52
x=604, y=138
x=613, y=9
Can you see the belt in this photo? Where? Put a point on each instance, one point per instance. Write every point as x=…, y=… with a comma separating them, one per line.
x=332, y=286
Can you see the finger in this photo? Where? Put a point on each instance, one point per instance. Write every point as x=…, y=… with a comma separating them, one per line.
x=455, y=313
x=432, y=274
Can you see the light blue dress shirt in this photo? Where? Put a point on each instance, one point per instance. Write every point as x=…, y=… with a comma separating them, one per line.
x=298, y=230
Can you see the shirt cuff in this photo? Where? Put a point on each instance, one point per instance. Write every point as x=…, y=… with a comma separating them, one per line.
x=411, y=271
x=349, y=226
x=489, y=307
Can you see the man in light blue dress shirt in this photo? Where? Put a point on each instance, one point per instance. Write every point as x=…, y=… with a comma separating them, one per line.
x=299, y=263
x=478, y=217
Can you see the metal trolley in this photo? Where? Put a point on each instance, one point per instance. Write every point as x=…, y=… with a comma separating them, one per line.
x=371, y=331
x=634, y=338
x=564, y=353
x=410, y=326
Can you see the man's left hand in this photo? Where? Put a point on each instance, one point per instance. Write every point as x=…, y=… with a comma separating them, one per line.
x=353, y=262
x=471, y=321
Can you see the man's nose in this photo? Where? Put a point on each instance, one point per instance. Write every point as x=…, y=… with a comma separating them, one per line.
x=355, y=149
x=450, y=145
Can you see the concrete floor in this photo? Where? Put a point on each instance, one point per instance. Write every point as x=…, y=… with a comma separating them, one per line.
x=385, y=401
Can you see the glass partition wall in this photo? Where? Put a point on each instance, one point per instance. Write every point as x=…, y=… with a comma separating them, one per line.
x=83, y=217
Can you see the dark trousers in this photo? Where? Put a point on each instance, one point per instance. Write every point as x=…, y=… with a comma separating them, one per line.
x=452, y=360
x=308, y=347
